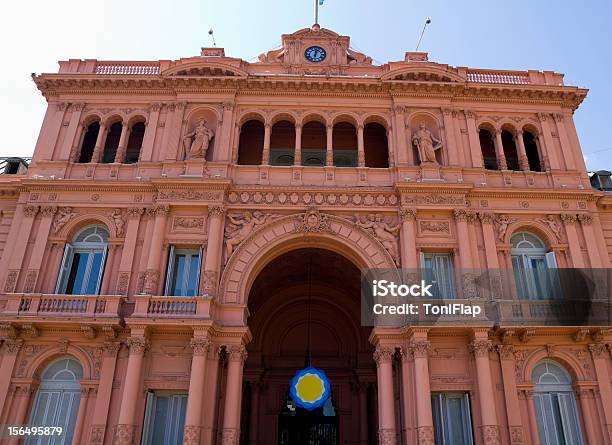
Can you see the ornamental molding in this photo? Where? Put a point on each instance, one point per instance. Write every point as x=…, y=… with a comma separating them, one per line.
x=308, y=197
x=188, y=195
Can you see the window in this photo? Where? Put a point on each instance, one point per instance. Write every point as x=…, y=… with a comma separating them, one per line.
x=132, y=153
x=183, y=276
x=534, y=268
x=487, y=147
x=282, y=143
x=344, y=143
x=452, y=420
x=510, y=152
x=250, y=144
x=89, y=142
x=375, y=145
x=438, y=269
x=57, y=401
x=112, y=143
x=164, y=419
x=531, y=149
x=83, y=262
x=556, y=410
x=314, y=144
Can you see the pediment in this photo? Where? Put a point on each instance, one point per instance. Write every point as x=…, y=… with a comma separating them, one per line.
x=421, y=72
x=205, y=69
x=313, y=33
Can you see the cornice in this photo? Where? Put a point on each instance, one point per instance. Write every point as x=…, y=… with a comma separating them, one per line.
x=527, y=193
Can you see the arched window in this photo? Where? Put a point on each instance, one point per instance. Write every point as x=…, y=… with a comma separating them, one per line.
x=532, y=266
x=531, y=149
x=83, y=262
x=250, y=145
x=487, y=147
x=112, y=142
x=89, y=142
x=510, y=152
x=132, y=153
x=344, y=143
x=282, y=143
x=375, y=145
x=314, y=144
x=57, y=401
x=555, y=405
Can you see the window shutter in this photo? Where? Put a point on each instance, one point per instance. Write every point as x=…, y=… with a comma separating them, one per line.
x=553, y=275
x=569, y=418
x=169, y=270
x=200, y=261
x=101, y=271
x=551, y=260
x=149, y=415
x=60, y=286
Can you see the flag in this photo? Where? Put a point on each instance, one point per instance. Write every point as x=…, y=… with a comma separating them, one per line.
x=321, y=2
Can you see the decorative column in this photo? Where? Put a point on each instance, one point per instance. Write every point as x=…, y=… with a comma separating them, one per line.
x=236, y=144
x=465, y=253
x=23, y=394
x=601, y=241
x=551, y=154
x=209, y=424
x=486, y=219
x=408, y=238
x=80, y=419
x=254, y=415
x=408, y=399
x=586, y=221
x=569, y=222
x=129, y=248
x=105, y=389
x=223, y=151
x=583, y=395
x=600, y=360
x=297, y=156
x=214, y=251
x=449, y=132
x=265, y=156
x=425, y=434
x=533, y=419
x=387, y=433
x=499, y=151
x=360, y=147
x=522, y=153
x=151, y=283
x=50, y=129
x=193, y=417
x=124, y=434
x=15, y=260
x=329, y=154
x=567, y=150
x=233, y=394
x=172, y=129
x=390, y=146
x=39, y=251
x=122, y=146
x=513, y=409
x=481, y=346
x=74, y=134
x=474, y=140
x=97, y=152
x=404, y=154
x=146, y=152
x=11, y=348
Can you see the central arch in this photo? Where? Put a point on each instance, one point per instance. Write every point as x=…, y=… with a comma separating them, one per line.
x=309, y=229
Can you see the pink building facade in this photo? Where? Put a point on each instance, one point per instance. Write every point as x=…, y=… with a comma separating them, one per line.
x=180, y=219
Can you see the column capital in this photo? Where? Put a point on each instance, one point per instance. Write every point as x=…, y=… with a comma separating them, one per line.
x=481, y=347
x=460, y=215
x=13, y=346
x=585, y=219
x=111, y=348
x=30, y=211
x=135, y=212
x=597, y=350
x=200, y=345
x=420, y=348
x=486, y=217
x=236, y=353
x=383, y=354
x=138, y=345
x=48, y=210
x=506, y=352
x=407, y=214
x=217, y=210
x=568, y=218
x=162, y=210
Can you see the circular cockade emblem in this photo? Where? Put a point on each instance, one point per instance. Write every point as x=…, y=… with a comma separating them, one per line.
x=310, y=388
x=315, y=54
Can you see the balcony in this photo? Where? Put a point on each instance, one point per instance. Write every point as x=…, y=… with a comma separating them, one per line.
x=56, y=306
x=168, y=307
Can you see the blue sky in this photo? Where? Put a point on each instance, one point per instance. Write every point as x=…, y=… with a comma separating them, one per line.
x=570, y=37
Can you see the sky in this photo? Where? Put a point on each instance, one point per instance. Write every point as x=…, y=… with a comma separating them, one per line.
x=571, y=37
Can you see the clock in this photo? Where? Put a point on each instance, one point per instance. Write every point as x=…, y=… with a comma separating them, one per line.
x=315, y=54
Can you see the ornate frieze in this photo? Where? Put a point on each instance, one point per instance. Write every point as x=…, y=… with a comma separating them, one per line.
x=305, y=197
x=449, y=200
x=188, y=223
x=434, y=227
x=188, y=195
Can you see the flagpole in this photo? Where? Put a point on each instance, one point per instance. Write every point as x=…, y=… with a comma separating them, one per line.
x=316, y=12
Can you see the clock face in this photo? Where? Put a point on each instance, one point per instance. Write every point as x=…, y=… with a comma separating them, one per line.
x=315, y=54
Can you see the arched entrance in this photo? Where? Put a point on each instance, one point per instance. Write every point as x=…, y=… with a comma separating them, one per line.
x=278, y=304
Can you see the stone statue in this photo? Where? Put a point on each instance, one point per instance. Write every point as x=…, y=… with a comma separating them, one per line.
x=502, y=222
x=196, y=142
x=64, y=215
x=244, y=225
x=427, y=144
x=118, y=220
x=553, y=225
x=385, y=233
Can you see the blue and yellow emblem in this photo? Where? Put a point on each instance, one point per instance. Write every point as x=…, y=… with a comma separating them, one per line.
x=310, y=388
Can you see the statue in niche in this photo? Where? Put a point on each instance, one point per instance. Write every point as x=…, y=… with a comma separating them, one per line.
x=196, y=143
x=383, y=231
x=427, y=144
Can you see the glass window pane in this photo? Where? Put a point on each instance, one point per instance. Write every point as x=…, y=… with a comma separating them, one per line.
x=94, y=274
x=159, y=420
x=77, y=273
x=192, y=280
x=178, y=274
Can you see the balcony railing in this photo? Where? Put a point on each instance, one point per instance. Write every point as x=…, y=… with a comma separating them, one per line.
x=91, y=306
x=497, y=77
x=132, y=68
x=148, y=306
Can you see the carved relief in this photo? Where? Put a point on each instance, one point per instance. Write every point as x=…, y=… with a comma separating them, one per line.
x=189, y=223
x=433, y=226
x=208, y=283
x=11, y=281
x=188, y=195
x=309, y=198
x=64, y=215
x=30, y=281
x=433, y=200
x=240, y=227
x=501, y=225
x=312, y=222
x=117, y=218
x=123, y=282
x=383, y=231
x=553, y=225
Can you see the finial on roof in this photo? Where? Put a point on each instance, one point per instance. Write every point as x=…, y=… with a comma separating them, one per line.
x=316, y=27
